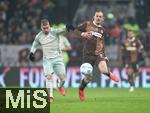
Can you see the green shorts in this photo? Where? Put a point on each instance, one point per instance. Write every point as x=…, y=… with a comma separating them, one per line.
x=54, y=65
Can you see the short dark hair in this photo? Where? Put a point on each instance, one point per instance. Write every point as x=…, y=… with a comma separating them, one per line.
x=44, y=22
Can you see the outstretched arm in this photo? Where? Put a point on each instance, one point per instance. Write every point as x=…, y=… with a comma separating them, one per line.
x=35, y=45
x=80, y=30
x=140, y=46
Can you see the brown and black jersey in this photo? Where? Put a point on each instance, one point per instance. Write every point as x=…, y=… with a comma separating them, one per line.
x=131, y=48
x=95, y=46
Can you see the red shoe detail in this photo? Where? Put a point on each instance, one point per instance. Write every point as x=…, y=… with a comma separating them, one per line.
x=113, y=77
x=81, y=95
x=51, y=100
x=62, y=91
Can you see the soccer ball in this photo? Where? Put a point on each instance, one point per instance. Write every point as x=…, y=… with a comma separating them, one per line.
x=86, y=69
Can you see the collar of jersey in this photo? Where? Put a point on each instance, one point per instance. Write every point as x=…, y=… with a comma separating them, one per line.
x=96, y=24
x=131, y=39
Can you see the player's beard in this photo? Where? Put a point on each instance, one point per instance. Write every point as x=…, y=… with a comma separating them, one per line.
x=46, y=32
x=98, y=22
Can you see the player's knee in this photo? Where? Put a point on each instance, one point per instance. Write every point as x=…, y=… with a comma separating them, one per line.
x=49, y=77
x=129, y=72
x=103, y=67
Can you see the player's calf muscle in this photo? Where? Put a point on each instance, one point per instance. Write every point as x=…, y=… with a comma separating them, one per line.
x=62, y=77
x=103, y=67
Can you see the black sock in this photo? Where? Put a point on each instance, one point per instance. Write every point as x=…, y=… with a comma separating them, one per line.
x=131, y=80
x=83, y=84
x=108, y=74
x=61, y=83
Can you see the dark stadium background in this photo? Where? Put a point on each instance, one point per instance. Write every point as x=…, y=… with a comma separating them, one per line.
x=20, y=22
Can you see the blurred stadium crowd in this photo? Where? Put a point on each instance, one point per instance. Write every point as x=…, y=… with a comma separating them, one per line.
x=20, y=22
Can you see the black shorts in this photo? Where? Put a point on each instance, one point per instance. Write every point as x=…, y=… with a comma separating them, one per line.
x=133, y=66
x=93, y=59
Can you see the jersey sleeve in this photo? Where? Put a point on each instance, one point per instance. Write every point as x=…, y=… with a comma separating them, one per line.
x=35, y=44
x=139, y=45
x=66, y=42
x=82, y=27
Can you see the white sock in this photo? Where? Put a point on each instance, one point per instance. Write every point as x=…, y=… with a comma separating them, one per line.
x=49, y=86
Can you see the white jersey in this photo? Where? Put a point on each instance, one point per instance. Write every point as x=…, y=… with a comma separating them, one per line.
x=49, y=43
x=64, y=42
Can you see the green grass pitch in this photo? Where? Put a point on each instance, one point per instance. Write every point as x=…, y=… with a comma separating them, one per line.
x=107, y=100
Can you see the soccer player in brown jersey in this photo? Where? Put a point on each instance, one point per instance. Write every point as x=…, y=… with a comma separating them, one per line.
x=131, y=47
x=92, y=33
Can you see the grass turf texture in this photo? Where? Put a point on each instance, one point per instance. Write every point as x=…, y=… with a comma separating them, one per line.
x=115, y=100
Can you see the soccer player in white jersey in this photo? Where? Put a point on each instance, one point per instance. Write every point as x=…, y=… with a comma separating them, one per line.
x=48, y=39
